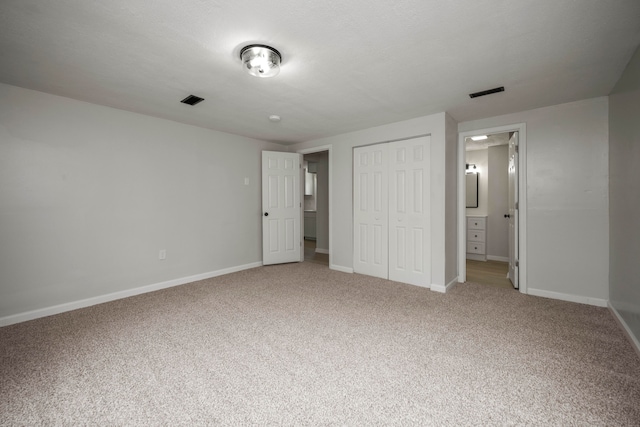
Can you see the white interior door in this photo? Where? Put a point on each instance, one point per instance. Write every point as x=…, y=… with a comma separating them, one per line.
x=513, y=209
x=409, y=211
x=281, y=207
x=370, y=210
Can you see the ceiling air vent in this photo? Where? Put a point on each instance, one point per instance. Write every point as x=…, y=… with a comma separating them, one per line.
x=192, y=100
x=487, y=92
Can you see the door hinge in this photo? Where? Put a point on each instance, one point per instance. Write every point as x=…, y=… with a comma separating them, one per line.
x=516, y=206
x=517, y=148
x=517, y=263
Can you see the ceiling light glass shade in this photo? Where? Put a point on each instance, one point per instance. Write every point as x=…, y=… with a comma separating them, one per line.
x=260, y=60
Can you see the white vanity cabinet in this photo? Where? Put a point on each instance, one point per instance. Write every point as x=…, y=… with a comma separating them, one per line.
x=477, y=238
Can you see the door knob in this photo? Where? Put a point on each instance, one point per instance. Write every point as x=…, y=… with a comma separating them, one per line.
x=507, y=216
x=266, y=214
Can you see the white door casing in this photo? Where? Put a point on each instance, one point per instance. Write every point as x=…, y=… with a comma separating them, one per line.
x=513, y=210
x=370, y=210
x=281, y=207
x=409, y=211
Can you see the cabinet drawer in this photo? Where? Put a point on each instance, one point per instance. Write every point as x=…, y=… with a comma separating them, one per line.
x=476, y=223
x=475, y=248
x=475, y=236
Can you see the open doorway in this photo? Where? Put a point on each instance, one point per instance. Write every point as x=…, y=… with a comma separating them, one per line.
x=492, y=214
x=316, y=209
x=487, y=209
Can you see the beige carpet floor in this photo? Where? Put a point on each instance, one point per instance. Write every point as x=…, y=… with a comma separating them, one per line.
x=299, y=344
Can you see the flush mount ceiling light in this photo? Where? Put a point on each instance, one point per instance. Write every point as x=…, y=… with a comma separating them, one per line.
x=260, y=60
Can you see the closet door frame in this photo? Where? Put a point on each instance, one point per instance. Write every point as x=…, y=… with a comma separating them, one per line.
x=391, y=209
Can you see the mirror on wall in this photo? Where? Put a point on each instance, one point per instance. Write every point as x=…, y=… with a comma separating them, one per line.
x=472, y=190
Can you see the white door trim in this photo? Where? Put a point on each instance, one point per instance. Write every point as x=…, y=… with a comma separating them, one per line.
x=318, y=150
x=522, y=199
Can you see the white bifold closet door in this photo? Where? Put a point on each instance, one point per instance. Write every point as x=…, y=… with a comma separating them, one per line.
x=392, y=211
x=371, y=210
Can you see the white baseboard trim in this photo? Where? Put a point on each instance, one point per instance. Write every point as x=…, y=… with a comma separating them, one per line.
x=634, y=341
x=322, y=251
x=598, y=302
x=498, y=258
x=438, y=288
x=74, y=305
x=341, y=268
x=444, y=288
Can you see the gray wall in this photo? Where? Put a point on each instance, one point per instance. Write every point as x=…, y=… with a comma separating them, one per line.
x=451, y=211
x=567, y=198
x=90, y=194
x=624, y=193
x=322, y=208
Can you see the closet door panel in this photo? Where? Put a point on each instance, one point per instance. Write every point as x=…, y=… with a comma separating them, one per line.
x=409, y=209
x=371, y=211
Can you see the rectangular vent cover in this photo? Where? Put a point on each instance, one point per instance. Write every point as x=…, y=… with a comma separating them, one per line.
x=192, y=100
x=486, y=92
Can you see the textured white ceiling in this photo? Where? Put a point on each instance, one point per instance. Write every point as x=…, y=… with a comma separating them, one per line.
x=348, y=65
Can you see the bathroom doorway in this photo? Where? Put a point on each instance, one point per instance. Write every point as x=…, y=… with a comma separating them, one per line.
x=488, y=232
x=486, y=161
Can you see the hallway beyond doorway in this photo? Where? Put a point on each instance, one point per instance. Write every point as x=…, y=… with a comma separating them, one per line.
x=491, y=273
x=311, y=255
